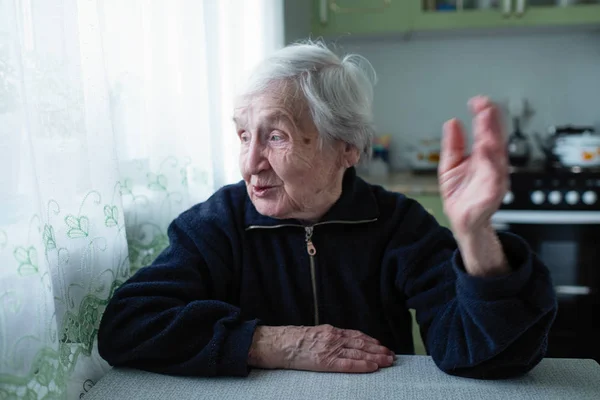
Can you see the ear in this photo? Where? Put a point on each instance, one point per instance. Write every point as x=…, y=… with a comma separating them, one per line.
x=350, y=156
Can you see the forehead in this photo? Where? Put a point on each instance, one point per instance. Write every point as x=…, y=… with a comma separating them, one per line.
x=276, y=104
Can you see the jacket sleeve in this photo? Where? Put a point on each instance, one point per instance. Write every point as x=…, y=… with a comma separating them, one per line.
x=485, y=328
x=173, y=316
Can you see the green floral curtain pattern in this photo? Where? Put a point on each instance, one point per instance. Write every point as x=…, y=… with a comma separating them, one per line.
x=59, y=255
x=54, y=264
x=152, y=198
x=109, y=113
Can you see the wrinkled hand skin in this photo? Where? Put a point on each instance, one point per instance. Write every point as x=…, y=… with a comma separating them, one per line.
x=472, y=187
x=322, y=348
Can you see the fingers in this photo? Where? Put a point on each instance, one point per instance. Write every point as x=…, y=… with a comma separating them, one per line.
x=331, y=349
x=479, y=103
x=489, y=139
x=453, y=146
x=487, y=124
x=368, y=347
x=381, y=360
x=352, y=366
x=494, y=172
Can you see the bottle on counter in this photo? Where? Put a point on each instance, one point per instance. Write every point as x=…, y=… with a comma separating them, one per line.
x=519, y=150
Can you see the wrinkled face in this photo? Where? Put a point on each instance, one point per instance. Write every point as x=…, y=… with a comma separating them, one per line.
x=287, y=173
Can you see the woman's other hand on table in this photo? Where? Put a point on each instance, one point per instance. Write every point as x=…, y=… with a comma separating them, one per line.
x=317, y=348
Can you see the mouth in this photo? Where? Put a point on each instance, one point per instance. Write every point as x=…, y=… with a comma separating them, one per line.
x=261, y=191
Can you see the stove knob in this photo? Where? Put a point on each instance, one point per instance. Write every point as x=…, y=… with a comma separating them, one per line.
x=572, y=197
x=538, y=197
x=589, y=197
x=509, y=197
x=554, y=197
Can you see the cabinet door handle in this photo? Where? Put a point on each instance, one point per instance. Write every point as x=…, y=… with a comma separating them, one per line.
x=506, y=8
x=333, y=4
x=520, y=8
x=323, y=11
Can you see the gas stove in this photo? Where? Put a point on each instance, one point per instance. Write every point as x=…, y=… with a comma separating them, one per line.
x=557, y=212
x=556, y=190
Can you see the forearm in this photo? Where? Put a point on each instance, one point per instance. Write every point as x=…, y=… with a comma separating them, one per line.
x=496, y=327
x=482, y=253
x=492, y=327
x=202, y=338
x=494, y=351
x=475, y=323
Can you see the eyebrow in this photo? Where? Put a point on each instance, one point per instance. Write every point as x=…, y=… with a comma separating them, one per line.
x=280, y=116
x=272, y=118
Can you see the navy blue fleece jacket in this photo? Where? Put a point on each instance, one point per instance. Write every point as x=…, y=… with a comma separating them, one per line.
x=228, y=269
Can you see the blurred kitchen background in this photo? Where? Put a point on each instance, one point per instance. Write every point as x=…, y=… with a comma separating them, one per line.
x=540, y=61
x=431, y=62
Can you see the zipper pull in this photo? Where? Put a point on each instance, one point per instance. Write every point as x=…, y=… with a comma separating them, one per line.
x=310, y=247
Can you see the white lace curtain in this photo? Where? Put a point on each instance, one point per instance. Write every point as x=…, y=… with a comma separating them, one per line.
x=115, y=116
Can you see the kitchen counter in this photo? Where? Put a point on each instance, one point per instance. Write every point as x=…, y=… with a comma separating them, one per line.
x=421, y=187
x=407, y=183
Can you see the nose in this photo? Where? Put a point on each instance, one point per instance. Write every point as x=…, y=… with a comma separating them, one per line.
x=256, y=160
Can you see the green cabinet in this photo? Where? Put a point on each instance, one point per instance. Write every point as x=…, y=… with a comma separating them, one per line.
x=426, y=16
x=335, y=18
x=501, y=14
x=545, y=12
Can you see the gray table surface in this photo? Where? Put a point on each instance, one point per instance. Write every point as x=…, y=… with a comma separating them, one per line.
x=412, y=377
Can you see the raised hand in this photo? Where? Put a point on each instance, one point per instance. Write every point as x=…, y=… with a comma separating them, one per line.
x=472, y=186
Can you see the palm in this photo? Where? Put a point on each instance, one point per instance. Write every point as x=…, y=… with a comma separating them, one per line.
x=472, y=186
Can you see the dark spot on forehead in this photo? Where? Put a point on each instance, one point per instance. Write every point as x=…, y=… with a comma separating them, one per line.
x=306, y=140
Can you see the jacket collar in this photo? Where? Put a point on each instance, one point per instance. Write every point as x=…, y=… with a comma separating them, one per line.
x=356, y=204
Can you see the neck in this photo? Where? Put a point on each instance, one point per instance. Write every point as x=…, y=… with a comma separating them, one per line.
x=330, y=195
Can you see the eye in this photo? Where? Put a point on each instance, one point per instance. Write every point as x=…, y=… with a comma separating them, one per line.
x=275, y=137
x=244, y=136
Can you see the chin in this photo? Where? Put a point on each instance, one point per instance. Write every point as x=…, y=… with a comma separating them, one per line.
x=269, y=208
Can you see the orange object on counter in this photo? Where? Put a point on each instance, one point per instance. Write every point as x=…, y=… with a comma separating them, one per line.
x=434, y=157
x=587, y=156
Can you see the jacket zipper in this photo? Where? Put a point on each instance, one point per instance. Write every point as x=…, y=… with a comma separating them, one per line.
x=312, y=251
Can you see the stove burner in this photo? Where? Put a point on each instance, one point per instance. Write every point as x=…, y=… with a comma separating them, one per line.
x=536, y=188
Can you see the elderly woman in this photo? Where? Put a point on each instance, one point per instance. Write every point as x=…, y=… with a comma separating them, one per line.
x=303, y=265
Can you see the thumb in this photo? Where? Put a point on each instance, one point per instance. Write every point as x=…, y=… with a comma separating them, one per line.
x=453, y=146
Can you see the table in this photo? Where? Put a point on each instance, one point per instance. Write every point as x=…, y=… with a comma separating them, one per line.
x=412, y=377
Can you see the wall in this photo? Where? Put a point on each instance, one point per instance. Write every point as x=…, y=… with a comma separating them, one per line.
x=297, y=14
x=425, y=81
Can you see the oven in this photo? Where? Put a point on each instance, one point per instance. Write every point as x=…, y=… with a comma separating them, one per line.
x=559, y=216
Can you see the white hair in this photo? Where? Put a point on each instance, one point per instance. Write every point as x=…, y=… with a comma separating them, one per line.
x=338, y=91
